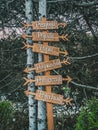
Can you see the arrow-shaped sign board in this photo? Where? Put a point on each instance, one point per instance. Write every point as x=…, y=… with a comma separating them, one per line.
x=46, y=66
x=47, y=80
x=45, y=36
x=49, y=97
x=50, y=50
x=44, y=25
x=46, y=49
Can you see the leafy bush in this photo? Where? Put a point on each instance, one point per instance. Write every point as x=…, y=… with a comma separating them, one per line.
x=11, y=119
x=6, y=115
x=88, y=118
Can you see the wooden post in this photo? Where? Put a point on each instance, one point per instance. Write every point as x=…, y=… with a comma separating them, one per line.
x=49, y=107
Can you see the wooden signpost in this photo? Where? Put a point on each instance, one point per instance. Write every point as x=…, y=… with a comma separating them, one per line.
x=49, y=50
x=49, y=97
x=47, y=65
x=47, y=80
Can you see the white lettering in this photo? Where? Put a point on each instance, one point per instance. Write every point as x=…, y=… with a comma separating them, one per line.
x=46, y=25
x=48, y=65
x=46, y=49
x=49, y=79
x=51, y=97
x=45, y=36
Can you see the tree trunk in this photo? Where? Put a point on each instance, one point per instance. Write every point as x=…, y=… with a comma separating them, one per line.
x=41, y=104
x=30, y=63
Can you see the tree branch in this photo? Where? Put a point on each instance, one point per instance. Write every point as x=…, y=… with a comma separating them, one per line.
x=84, y=57
x=90, y=26
x=84, y=86
x=54, y=1
x=85, y=4
x=80, y=85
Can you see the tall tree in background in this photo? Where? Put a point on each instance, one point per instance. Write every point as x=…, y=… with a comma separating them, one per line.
x=30, y=63
x=41, y=105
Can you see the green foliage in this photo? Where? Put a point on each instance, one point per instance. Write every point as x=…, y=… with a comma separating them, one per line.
x=6, y=115
x=11, y=119
x=88, y=118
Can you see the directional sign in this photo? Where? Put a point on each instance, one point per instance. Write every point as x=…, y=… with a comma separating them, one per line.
x=45, y=36
x=48, y=65
x=50, y=50
x=44, y=25
x=49, y=97
x=44, y=66
x=46, y=49
x=47, y=80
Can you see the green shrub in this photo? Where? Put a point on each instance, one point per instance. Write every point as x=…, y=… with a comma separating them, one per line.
x=6, y=115
x=88, y=117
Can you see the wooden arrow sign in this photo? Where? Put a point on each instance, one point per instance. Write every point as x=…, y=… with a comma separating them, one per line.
x=47, y=80
x=49, y=97
x=44, y=25
x=45, y=36
x=48, y=65
x=50, y=50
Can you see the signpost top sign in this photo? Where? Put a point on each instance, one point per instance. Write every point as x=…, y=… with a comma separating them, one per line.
x=44, y=25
